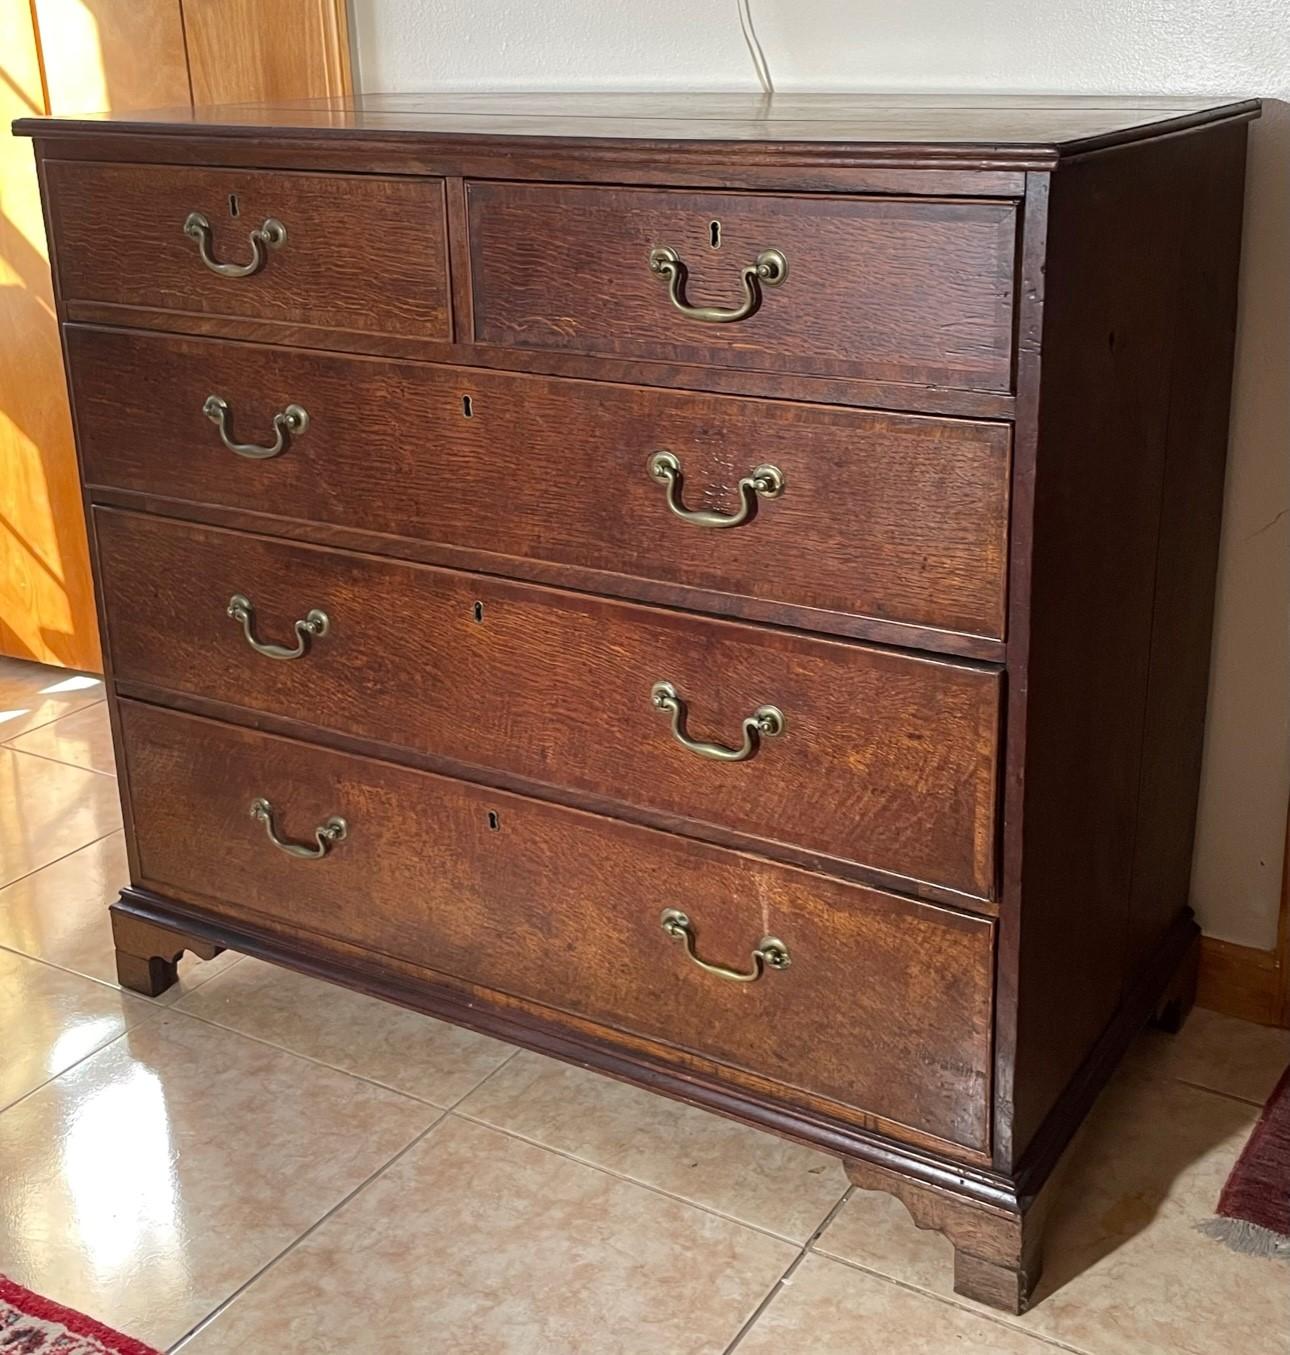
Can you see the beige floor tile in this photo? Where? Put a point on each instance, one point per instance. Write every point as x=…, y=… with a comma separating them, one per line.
x=50, y=809
x=476, y=1243
x=1219, y=1052
x=151, y=1181
x=412, y=1053
x=83, y=739
x=1127, y=1273
x=827, y=1308
x=49, y=1020
x=60, y=914
x=754, y=1177
x=32, y=694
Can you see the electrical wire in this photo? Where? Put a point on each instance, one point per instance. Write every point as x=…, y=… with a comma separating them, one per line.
x=754, y=47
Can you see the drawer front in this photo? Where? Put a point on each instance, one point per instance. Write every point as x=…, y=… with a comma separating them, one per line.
x=892, y=517
x=360, y=252
x=885, y=1005
x=889, y=289
x=884, y=760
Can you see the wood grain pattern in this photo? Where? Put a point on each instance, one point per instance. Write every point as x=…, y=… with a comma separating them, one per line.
x=919, y=130
x=891, y=289
x=563, y=908
x=46, y=596
x=236, y=57
x=893, y=518
x=556, y=687
x=112, y=54
x=362, y=253
x=1131, y=440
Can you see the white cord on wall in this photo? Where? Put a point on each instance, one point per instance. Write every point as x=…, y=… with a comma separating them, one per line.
x=754, y=47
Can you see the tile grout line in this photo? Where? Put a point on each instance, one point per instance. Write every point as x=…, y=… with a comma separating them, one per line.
x=26, y=875
x=120, y=1035
x=44, y=724
x=636, y=1181
x=57, y=761
x=952, y=1301
x=789, y=1271
x=307, y=1058
x=313, y=1227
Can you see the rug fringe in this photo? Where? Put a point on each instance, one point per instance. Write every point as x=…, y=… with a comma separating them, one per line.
x=1250, y=1239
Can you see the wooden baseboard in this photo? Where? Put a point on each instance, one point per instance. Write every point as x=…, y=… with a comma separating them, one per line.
x=1242, y=981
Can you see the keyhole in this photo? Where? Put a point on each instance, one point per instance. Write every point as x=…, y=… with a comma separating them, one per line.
x=714, y=234
x=467, y=408
x=479, y=611
x=493, y=821
x=232, y=204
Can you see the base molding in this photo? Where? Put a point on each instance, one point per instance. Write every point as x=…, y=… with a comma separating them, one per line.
x=1242, y=981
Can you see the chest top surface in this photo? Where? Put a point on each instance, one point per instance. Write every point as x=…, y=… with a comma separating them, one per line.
x=1026, y=129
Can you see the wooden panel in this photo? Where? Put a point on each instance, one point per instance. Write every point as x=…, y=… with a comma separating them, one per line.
x=46, y=603
x=892, y=289
x=243, y=50
x=1132, y=435
x=555, y=688
x=361, y=252
x=112, y=54
x=1241, y=981
x=564, y=908
x=898, y=518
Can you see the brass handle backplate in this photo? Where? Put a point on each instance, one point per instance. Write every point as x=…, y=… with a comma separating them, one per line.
x=315, y=623
x=770, y=952
x=766, y=722
x=769, y=269
x=326, y=835
x=292, y=421
x=765, y=482
x=271, y=235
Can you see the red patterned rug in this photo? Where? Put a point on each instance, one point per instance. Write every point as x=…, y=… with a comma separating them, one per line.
x=31, y=1325
x=1254, y=1208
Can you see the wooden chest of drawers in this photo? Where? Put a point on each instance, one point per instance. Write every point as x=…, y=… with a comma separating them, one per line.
x=715, y=593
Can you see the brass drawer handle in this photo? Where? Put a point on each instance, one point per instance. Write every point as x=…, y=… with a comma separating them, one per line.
x=766, y=722
x=271, y=235
x=771, y=951
x=765, y=482
x=769, y=270
x=293, y=421
x=316, y=622
x=326, y=835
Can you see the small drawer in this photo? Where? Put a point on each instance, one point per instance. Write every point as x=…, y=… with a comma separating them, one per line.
x=894, y=518
x=869, y=756
x=918, y=291
x=566, y=909
x=340, y=251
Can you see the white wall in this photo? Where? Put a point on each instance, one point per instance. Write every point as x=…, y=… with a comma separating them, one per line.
x=1214, y=47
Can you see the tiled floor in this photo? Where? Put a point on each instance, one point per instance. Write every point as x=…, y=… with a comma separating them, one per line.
x=261, y=1164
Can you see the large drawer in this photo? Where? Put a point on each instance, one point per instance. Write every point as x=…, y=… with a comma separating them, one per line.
x=884, y=760
x=893, y=289
x=360, y=252
x=897, y=518
x=885, y=1005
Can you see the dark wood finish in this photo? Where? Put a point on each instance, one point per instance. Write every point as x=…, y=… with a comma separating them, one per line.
x=1102, y=345
x=556, y=687
x=563, y=909
x=890, y=289
x=147, y=955
x=898, y=519
x=1131, y=441
x=361, y=253
x=998, y=1250
x=1024, y=131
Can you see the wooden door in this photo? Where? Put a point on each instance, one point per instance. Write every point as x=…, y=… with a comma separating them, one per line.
x=75, y=56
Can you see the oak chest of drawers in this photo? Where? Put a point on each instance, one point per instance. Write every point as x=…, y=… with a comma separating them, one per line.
x=714, y=592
